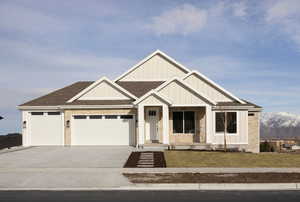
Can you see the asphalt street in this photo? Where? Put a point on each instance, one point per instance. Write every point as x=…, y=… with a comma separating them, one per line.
x=145, y=196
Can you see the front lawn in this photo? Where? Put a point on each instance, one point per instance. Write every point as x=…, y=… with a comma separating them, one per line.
x=230, y=159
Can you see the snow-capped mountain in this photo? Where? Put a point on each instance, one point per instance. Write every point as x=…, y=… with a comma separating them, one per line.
x=279, y=125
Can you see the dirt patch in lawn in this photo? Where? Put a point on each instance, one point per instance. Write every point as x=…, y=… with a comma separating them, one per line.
x=213, y=177
x=147, y=159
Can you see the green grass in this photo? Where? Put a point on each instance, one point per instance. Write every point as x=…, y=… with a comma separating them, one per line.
x=222, y=159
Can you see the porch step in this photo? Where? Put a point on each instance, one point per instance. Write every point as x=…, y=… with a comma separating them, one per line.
x=207, y=147
x=154, y=146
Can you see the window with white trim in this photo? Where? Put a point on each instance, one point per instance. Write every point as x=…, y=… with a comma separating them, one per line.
x=231, y=118
x=184, y=122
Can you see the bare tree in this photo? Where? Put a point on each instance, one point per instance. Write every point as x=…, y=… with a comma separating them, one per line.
x=224, y=124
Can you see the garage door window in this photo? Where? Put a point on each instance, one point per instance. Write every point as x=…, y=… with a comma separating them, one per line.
x=126, y=117
x=95, y=117
x=111, y=117
x=37, y=113
x=79, y=117
x=53, y=113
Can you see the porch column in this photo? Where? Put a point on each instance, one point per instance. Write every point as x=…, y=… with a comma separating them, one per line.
x=141, y=124
x=165, y=117
x=209, y=127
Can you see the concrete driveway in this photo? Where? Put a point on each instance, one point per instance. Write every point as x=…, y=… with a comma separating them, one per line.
x=57, y=167
x=67, y=157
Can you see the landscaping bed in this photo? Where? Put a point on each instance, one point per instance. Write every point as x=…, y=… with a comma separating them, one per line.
x=197, y=159
x=213, y=177
x=134, y=160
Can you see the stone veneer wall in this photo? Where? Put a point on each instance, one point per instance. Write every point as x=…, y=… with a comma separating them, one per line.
x=186, y=139
x=253, y=132
x=70, y=113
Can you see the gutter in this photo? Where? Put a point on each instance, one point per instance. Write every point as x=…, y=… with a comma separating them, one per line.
x=61, y=107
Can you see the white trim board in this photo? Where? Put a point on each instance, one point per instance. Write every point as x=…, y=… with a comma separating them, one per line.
x=214, y=84
x=149, y=57
x=93, y=85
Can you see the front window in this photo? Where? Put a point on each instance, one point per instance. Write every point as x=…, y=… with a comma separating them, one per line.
x=184, y=122
x=231, y=119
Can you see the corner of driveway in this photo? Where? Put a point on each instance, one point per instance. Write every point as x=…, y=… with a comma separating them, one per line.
x=64, y=167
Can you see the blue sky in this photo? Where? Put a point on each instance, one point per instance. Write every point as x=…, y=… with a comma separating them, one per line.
x=251, y=48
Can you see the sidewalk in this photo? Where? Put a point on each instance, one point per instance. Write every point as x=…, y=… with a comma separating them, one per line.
x=210, y=170
x=112, y=179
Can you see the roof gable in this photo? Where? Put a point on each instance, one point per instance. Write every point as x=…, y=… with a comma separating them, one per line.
x=209, y=88
x=156, y=67
x=180, y=93
x=153, y=97
x=103, y=89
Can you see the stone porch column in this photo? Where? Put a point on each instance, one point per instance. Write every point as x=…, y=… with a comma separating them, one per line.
x=141, y=125
x=165, y=117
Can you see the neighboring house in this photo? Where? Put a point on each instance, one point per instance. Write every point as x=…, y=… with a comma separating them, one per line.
x=280, y=144
x=157, y=101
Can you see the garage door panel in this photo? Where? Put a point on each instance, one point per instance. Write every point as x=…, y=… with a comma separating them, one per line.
x=102, y=131
x=46, y=129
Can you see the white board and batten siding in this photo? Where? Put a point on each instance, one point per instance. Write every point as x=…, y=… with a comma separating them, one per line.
x=241, y=137
x=206, y=89
x=156, y=68
x=104, y=91
x=44, y=129
x=180, y=95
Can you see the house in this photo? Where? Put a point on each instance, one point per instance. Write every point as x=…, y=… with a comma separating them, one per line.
x=158, y=101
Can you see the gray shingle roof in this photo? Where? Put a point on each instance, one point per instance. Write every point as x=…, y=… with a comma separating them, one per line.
x=137, y=88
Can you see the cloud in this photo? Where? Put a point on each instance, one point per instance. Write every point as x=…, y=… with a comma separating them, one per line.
x=181, y=20
x=286, y=15
x=281, y=10
x=239, y=9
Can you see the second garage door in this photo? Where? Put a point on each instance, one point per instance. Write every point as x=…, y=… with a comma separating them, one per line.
x=103, y=130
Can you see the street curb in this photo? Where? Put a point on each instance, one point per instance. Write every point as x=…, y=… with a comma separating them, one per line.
x=164, y=187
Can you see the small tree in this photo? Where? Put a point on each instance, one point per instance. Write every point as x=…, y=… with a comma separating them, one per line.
x=225, y=131
x=224, y=125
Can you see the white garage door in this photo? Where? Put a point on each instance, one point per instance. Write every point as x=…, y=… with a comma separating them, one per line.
x=103, y=130
x=46, y=128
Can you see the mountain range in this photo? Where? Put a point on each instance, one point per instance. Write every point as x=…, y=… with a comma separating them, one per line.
x=279, y=125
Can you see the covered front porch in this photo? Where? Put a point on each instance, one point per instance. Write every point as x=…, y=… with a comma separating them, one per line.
x=173, y=126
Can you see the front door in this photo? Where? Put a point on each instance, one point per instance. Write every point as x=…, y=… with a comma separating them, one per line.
x=152, y=125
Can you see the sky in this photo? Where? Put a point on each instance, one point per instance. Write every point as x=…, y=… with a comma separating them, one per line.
x=251, y=48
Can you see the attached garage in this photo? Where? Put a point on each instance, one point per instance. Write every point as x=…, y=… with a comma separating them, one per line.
x=45, y=128
x=103, y=130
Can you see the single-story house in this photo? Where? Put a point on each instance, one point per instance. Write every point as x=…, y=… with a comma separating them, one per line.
x=156, y=102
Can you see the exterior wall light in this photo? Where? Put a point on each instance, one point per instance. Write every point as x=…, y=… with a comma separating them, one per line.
x=24, y=124
x=68, y=124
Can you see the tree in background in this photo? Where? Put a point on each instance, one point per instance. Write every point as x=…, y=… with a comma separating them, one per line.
x=1, y=118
